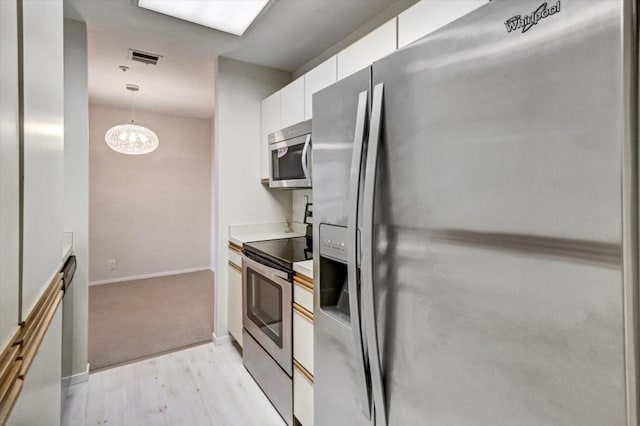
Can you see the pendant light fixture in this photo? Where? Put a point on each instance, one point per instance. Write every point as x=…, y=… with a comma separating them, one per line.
x=131, y=138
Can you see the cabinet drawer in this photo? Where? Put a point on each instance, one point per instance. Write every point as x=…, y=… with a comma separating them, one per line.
x=303, y=293
x=303, y=337
x=235, y=255
x=302, y=396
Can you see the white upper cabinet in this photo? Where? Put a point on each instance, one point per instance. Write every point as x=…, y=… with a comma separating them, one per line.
x=9, y=171
x=376, y=45
x=426, y=16
x=292, y=103
x=43, y=146
x=270, y=122
x=322, y=76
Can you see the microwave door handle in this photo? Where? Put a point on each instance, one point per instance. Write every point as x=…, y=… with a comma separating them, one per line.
x=305, y=160
x=352, y=257
x=368, y=298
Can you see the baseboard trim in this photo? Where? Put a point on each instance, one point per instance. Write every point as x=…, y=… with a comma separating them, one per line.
x=76, y=378
x=221, y=340
x=154, y=275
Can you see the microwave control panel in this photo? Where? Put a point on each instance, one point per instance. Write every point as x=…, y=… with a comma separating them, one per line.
x=333, y=242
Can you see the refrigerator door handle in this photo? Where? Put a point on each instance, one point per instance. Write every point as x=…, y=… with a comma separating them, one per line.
x=352, y=258
x=368, y=299
x=305, y=160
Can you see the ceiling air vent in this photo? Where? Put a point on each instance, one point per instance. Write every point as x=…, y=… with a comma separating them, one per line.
x=144, y=57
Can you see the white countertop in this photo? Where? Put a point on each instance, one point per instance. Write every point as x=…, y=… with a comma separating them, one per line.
x=304, y=268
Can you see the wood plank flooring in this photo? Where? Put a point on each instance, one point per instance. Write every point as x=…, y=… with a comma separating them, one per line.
x=202, y=385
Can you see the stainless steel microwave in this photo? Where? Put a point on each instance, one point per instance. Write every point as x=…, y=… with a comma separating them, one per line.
x=290, y=157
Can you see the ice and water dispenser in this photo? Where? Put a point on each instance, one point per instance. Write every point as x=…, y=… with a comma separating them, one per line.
x=334, y=285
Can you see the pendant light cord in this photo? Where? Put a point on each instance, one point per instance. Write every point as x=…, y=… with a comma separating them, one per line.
x=132, y=108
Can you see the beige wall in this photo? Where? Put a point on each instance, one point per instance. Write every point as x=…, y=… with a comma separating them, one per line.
x=151, y=213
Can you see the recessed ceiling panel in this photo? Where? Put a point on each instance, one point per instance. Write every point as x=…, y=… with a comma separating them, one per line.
x=231, y=16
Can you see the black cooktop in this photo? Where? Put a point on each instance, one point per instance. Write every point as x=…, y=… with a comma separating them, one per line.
x=284, y=252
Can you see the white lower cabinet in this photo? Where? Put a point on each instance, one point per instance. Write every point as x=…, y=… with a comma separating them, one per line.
x=303, y=365
x=302, y=397
x=39, y=400
x=303, y=338
x=302, y=293
x=235, y=299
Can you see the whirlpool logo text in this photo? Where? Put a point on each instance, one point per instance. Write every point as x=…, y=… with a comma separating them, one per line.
x=528, y=21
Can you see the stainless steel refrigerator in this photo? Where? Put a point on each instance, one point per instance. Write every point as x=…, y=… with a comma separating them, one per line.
x=475, y=214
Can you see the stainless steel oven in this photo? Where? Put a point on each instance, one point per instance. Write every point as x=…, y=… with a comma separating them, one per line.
x=266, y=307
x=290, y=157
x=267, y=321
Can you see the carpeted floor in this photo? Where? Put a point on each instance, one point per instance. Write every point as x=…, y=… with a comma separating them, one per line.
x=133, y=320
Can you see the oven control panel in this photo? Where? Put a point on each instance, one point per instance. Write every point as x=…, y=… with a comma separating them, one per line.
x=333, y=242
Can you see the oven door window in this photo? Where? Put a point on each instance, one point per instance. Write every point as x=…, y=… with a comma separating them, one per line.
x=264, y=305
x=286, y=162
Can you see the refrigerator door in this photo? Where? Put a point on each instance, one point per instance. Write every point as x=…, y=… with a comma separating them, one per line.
x=341, y=390
x=497, y=250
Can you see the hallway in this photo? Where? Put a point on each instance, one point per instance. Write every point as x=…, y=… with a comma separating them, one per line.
x=202, y=385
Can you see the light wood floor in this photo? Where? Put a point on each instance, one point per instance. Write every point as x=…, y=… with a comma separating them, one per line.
x=203, y=385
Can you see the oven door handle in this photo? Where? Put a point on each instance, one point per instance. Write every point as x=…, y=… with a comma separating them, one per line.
x=304, y=159
x=268, y=272
x=362, y=378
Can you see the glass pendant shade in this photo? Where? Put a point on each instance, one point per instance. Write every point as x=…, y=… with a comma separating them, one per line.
x=131, y=139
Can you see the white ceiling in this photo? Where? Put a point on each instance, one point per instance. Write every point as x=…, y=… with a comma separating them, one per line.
x=288, y=34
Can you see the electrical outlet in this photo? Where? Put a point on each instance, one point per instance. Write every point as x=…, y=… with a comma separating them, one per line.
x=111, y=264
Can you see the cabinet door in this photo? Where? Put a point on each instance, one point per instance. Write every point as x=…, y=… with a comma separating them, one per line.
x=292, y=103
x=426, y=16
x=43, y=146
x=39, y=401
x=235, y=303
x=270, y=122
x=9, y=171
x=302, y=398
x=303, y=338
x=317, y=79
x=376, y=45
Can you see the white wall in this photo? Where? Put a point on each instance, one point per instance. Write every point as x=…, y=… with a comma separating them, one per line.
x=76, y=180
x=241, y=198
x=214, y=200
x=150, y=213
